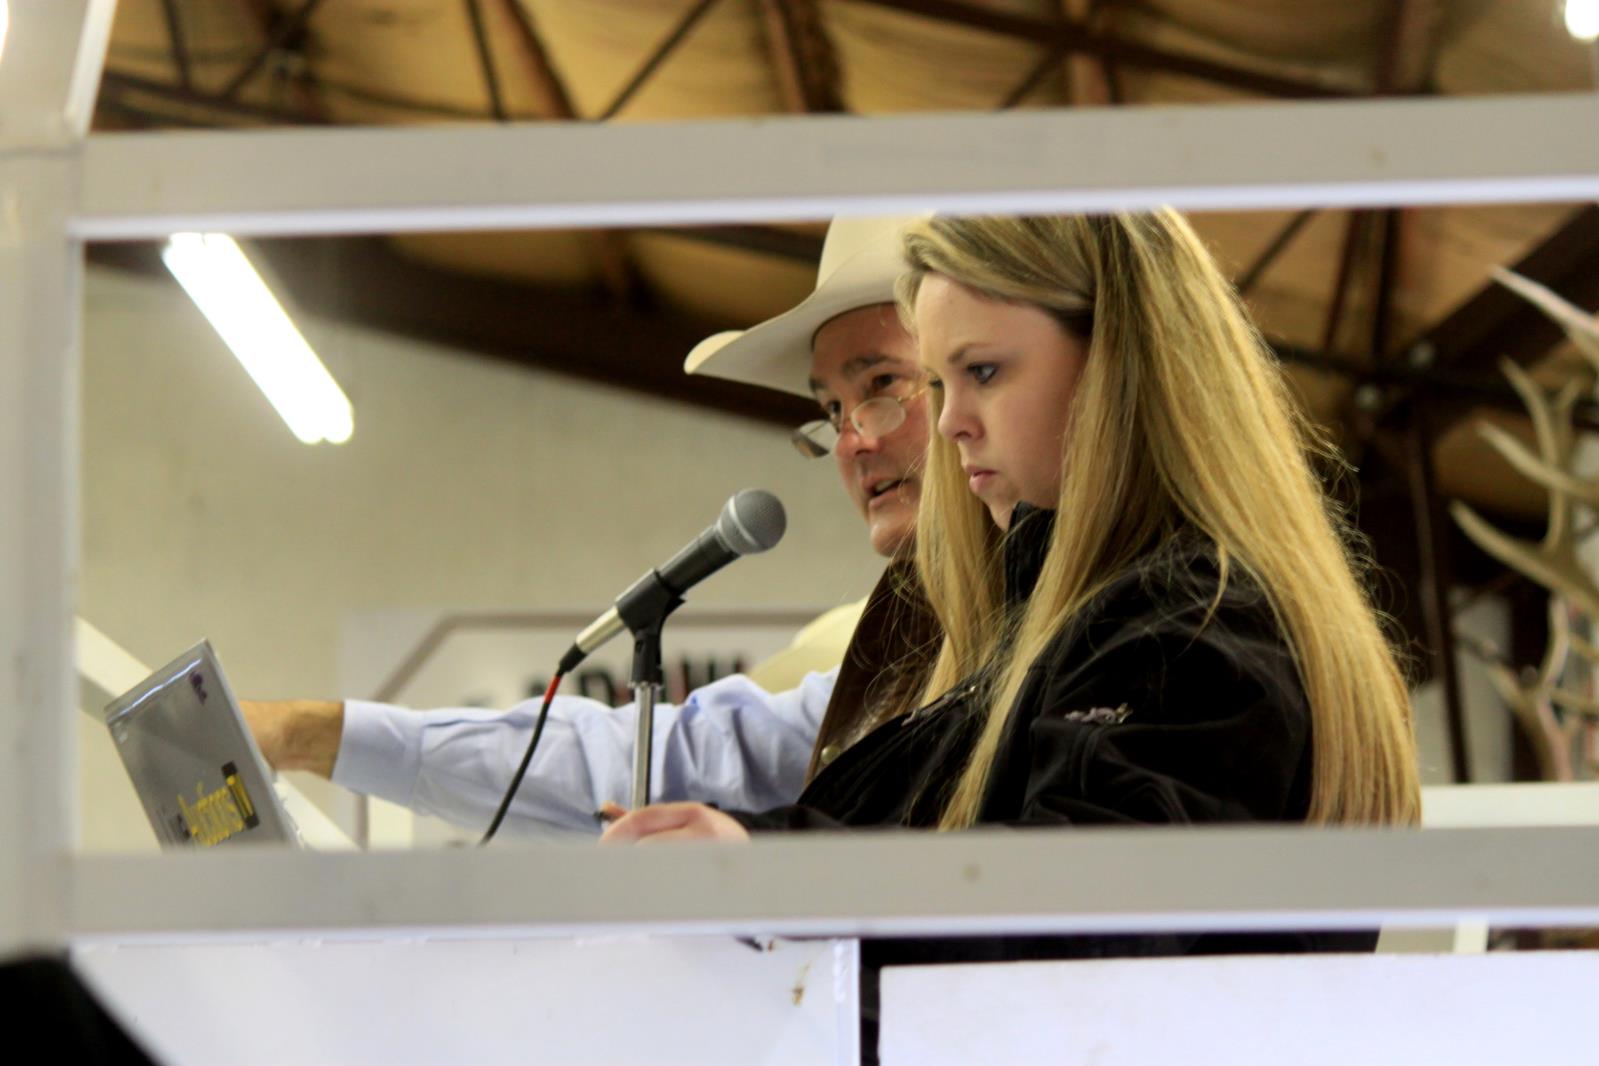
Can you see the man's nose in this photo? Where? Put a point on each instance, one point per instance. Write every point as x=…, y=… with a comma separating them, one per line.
x=852, y=442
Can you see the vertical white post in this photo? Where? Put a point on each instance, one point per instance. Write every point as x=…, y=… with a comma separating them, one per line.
x=51, y=63
x=40, y=272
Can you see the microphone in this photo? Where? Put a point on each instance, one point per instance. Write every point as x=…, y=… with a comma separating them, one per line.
x=752, y=521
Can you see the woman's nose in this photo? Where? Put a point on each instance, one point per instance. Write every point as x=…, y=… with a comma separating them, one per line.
x=955, y=422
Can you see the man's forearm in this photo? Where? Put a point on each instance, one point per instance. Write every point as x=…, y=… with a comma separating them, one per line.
x=297, y=734
x=732, y=744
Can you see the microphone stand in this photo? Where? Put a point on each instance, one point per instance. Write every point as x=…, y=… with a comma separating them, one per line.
x=643, y=610
x=646, y=686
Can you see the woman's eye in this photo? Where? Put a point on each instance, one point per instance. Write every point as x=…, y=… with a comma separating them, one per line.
x=982, y=373
x=833, y=411
x=933, y=384
x=883, y=382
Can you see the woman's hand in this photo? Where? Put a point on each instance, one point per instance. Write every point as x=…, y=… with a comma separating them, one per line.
x=670, y=821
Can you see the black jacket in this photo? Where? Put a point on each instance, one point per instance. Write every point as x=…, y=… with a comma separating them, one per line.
x=1160, y=703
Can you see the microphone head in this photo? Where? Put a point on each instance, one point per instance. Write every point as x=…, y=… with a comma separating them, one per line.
x=752, y=521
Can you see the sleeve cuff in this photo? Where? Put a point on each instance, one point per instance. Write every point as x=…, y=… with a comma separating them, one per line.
x=379, y=751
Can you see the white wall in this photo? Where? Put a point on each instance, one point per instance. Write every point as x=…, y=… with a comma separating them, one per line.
x=468, y=484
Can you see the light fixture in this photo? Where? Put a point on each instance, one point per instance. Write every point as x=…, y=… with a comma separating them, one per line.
x=5, y=24
x=215, y=273
x=1582, y=19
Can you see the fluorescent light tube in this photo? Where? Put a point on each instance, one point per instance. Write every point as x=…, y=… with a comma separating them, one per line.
x=5, y=24
x=215, y=273
x=1582, y=19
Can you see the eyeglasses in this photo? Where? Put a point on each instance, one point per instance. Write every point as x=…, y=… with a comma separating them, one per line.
x=875, y=418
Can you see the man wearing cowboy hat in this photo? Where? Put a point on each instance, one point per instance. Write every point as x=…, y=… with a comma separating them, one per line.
x=731, y=742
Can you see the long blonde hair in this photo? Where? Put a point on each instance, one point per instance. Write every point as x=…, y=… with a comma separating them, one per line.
x=1188, y=421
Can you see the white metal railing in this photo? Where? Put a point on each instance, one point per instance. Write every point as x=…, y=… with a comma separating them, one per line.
x=1229, y=156
x=56, y=190
x=996, y=881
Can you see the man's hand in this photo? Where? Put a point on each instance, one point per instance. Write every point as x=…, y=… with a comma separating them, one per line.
x=296, y=734
x=671, y=821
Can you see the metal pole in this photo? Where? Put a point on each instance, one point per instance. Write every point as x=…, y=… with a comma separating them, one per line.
x=645, y=695
x=1436, y=580
x=646, y=685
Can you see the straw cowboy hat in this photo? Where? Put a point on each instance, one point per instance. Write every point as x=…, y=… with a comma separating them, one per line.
x=861, y=258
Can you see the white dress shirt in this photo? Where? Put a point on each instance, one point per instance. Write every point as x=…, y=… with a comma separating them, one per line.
x=731, y=743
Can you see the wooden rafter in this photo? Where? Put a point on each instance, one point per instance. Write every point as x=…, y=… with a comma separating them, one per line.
x=807, y=69
x=1040, y=72
x=179, y=45
x=547, y=83
x=1091, y=81
x=485, y=58
x=148, y=102
x=662, y=51
x=1252, y=275
x=1409, y=46
x=1354, y=240
x=281, y=33
x=1074, y=38
x=1387, y=233
x=767, y=240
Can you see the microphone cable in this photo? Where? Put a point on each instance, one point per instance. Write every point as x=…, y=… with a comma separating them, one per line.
x=527, y=758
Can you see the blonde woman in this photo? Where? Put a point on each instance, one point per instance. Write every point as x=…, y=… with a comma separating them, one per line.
x=1151, y=609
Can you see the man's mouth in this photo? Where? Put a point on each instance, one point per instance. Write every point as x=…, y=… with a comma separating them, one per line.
x=882, y=487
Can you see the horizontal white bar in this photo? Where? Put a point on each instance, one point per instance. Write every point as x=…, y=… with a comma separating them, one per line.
x=1521, y=803
x=710, y=1001
x=1530, y=1009
x=1238, y=156
x=1078, y=881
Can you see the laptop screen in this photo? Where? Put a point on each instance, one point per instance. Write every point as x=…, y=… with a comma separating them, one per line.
x=193, y=761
